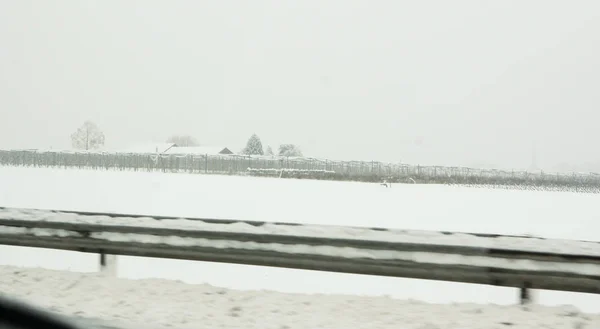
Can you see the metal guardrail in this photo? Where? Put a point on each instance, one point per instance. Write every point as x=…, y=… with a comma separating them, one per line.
x=509, y=261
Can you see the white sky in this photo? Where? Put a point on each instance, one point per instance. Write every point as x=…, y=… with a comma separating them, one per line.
x=432, y=82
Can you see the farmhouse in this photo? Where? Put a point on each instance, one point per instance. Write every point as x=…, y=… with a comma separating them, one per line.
x=199, y=150
x=171, y=148
x=148, y=148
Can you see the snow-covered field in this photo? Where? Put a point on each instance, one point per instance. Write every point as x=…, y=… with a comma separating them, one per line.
x=155, y=303
x=429, y=207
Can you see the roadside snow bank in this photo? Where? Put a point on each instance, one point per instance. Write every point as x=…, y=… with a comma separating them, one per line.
x=171, y=304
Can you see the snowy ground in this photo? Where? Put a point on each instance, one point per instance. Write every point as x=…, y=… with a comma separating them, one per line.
x=429, y=207
x=154, y=303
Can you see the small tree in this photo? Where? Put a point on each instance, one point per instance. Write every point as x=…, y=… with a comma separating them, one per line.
x=253, y=146
x=87, y=137
x=183, y=140
x=289, y=150
x=269, y=151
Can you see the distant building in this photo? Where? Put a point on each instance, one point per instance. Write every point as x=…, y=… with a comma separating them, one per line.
x=199, y=150
x=171, y=148
x=148, y=148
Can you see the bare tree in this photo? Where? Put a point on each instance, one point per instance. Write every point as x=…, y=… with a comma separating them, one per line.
x=87, y=137
x=289, y=150
x=183, y=140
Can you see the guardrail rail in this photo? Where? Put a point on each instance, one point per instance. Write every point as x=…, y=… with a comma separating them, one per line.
x=510, y=261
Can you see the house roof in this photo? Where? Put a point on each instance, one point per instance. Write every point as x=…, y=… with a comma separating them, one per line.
x=171, y=148
x=149, y=148
x=198, y=150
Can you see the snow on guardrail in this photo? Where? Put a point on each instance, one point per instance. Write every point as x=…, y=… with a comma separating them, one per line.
x=515, y=243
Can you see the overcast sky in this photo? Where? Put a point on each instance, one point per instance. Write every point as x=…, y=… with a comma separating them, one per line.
x=432, y=82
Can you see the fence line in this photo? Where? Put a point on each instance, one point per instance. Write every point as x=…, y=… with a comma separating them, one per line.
x=372, y=171
x=509, y=261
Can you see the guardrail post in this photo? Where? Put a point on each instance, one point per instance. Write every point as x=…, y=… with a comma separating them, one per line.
x=525, y=294
x=108, y=264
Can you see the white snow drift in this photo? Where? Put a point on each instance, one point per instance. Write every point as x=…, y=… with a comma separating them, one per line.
x=169, y=304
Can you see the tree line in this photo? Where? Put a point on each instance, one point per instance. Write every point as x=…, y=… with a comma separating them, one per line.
x=254, y=146
x=90, y=137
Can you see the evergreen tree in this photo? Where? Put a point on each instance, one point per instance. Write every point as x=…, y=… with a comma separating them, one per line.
x=253, y=146
x=269, y=151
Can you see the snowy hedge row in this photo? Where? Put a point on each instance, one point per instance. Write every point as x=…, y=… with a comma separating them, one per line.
x=292, y=173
